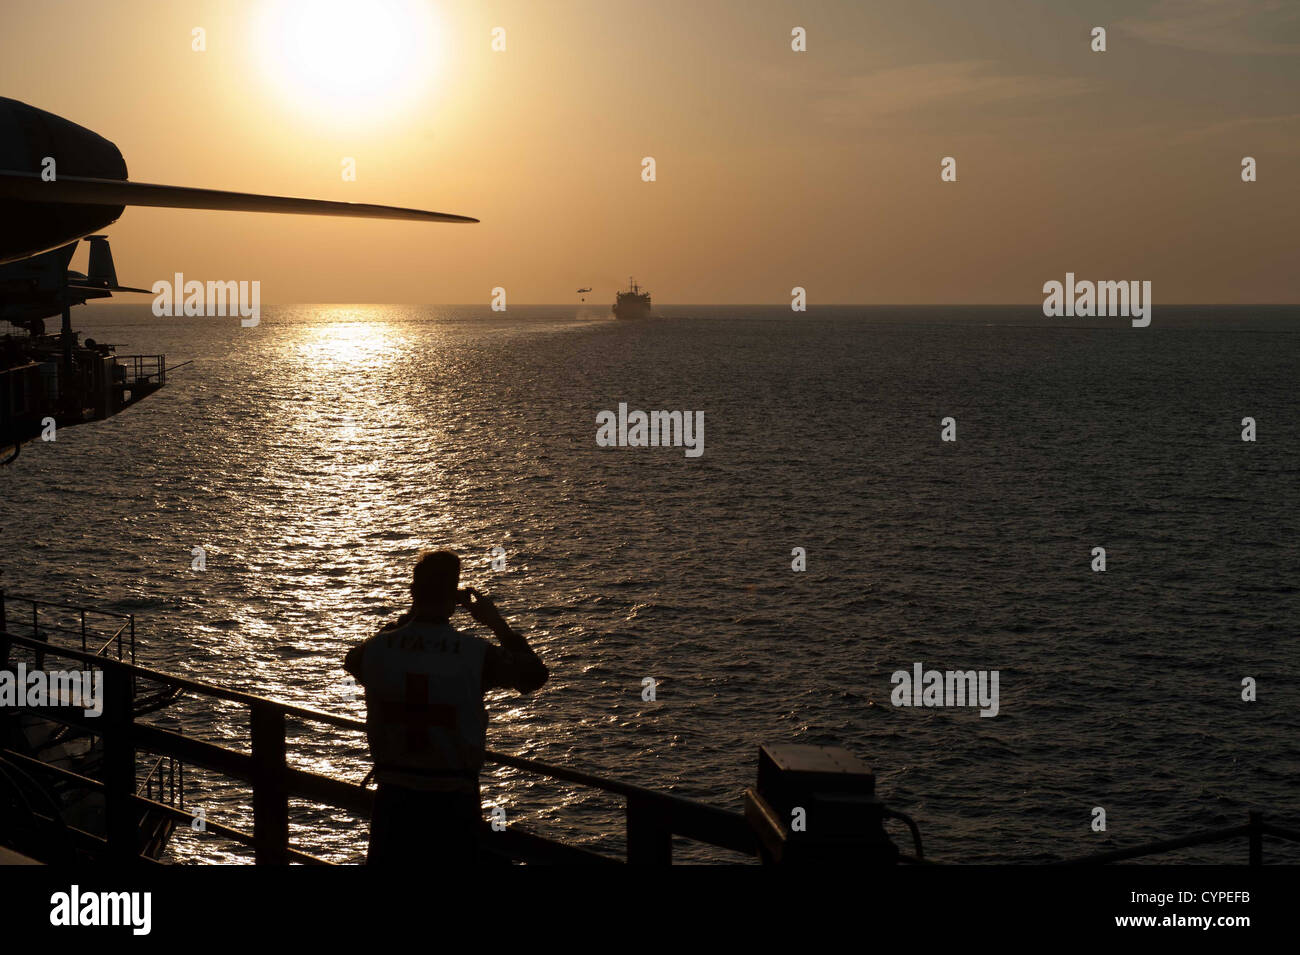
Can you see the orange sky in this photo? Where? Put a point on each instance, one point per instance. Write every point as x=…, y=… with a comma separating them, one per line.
x=775, y=168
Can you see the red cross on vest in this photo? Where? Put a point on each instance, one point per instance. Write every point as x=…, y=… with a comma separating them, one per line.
x=417, y=714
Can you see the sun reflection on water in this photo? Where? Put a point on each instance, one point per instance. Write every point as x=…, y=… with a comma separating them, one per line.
x=356, y=336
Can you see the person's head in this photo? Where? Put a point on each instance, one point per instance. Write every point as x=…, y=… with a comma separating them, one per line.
x=435, y=582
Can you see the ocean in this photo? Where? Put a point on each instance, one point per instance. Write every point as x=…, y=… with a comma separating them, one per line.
x=313, y=456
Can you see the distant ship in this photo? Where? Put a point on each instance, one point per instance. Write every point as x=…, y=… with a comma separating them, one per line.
x=633, y=303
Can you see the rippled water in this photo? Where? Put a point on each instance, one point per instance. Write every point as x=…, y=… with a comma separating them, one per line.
x=315, y=455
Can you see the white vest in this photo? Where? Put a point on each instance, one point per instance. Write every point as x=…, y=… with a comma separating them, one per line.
x=424, y=706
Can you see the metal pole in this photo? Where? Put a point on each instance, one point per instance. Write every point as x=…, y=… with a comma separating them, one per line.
x=649, y=839
x=119, y=767
x=270, y=788
x=66, y=337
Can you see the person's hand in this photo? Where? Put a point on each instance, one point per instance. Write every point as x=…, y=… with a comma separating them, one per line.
x=482, y=609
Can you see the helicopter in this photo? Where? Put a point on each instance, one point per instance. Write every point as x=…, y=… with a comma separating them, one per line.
x=61, y=183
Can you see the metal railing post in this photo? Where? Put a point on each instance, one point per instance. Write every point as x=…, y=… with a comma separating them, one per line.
x=119, y=766
x=649, y=838
x=270, y=788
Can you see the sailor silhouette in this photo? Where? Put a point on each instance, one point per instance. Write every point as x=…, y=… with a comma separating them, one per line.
x=425, y=719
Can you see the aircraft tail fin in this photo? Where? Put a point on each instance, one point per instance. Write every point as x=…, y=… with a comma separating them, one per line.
x=101, y=268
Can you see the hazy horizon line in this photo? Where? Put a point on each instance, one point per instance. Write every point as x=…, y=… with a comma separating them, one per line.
x=727, y=305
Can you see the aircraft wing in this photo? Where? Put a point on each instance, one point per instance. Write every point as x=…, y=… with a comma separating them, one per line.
x=81, y=190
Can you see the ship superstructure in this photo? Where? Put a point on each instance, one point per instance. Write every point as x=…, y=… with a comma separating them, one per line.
x=634, y=303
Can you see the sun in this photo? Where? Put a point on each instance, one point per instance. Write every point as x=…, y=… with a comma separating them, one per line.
x=349, y=57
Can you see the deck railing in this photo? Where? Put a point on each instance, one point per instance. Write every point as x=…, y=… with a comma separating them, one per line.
x=1253, y=831
x=143, y=369
x=100, y=631
x=653, y=818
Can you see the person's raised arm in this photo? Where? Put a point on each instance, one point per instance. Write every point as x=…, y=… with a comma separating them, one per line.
x=519, y=667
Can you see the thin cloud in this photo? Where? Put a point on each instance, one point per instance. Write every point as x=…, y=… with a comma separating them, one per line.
x=927, y=88
x=1279, y=133
x=1232, y=27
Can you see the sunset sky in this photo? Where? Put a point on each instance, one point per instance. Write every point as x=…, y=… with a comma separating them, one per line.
x=775, y=168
